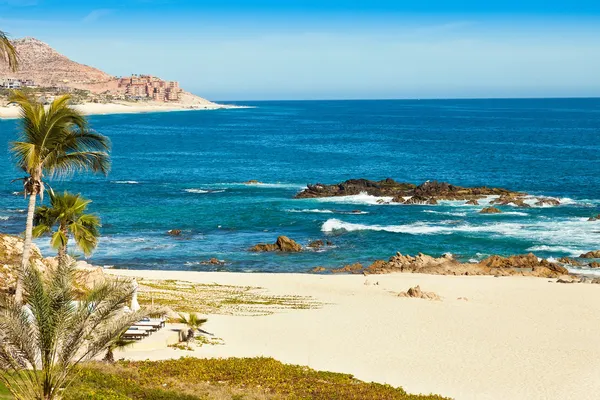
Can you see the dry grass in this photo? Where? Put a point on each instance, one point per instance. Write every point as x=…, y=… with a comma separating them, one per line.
x=218, y=299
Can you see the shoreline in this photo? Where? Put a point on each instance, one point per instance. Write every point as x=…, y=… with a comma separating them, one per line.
x=129, y=108
x=488, y=338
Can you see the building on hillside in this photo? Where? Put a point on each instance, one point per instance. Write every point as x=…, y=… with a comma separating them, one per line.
x=14, y=83
x=149, y=87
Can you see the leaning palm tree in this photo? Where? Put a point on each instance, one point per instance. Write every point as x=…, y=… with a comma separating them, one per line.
x=53, y=142
x=8, y=53
x=67, y=212
x=43, y=342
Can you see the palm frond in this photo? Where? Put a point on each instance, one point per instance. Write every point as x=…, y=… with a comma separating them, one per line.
x=8, y=53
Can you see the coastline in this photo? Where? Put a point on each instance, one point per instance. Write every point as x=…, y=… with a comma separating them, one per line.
x=129, y=108
x=513, y=337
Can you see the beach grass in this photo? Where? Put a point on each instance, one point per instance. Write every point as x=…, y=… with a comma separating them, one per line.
x=222, y=379
x=219, y=299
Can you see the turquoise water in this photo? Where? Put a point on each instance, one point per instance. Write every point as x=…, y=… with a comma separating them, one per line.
x=184, y=170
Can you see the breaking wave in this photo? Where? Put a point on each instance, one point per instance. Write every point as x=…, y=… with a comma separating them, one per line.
x=126, y=182
x=362, y=198
x=454, y=214
x=203, y=191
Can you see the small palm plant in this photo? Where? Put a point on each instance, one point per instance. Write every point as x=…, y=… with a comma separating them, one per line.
x=42, y=342
x=193, y=322
x=67, y=212
x=52, y=142
x=118, y=344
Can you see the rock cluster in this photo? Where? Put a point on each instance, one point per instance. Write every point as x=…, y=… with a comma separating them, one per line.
x=525, y=265
x=283, y=243
x=416, y=292
x=591, y=254
x=317, y=244
x=213, y=261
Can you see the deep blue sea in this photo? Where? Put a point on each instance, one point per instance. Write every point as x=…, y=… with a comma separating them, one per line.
x=185, y=170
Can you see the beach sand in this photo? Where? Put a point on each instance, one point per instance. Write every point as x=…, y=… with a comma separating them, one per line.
x=513, y=338
x=11, y=112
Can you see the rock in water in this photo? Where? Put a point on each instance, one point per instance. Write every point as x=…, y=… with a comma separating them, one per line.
x=174, y=232
x=472, y=202
x=591, y=254
x=490, y=210
x=427, y=193
x=417, y=293
x=316, y=244
x=252, y=182
x=213, y=261
x=317, y=270
x=570, y=261
x=594, y=218
x=283, y=243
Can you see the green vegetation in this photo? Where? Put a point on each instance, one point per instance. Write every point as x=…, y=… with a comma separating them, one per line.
x=67, y=212
x=223, y=379
x=55, y=141
x=42, y=344
x=218, y=299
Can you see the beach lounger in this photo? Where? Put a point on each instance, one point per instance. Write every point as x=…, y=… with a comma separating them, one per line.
x=134, y=334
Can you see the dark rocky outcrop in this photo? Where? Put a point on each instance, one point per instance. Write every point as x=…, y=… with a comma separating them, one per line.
x=516, y=199
x=594, y=264
x=427, y=193
x=283, y=243
x=546, y=201
x=591, y=254
x=490, y=210
x=594, y=218
x=472, y=202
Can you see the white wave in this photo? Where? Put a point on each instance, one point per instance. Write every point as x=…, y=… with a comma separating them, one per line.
x=313, y=210
x=126, y=182
x=4, y=218
x=276, y=185
x=203, y=191
x=362, y=198
x=557, y=249
x=583, y=271
x=519, y=213
x=575, y=234
x=454, y=214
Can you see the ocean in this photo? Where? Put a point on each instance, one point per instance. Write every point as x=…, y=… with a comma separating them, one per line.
x=186, y=170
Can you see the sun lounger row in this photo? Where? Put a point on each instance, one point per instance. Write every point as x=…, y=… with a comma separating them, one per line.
x=143, y=328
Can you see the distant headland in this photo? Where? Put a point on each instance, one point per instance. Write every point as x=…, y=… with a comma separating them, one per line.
x=45, y=73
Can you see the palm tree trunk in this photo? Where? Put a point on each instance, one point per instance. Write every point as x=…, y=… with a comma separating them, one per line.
x=62, y=250
x=26, y=248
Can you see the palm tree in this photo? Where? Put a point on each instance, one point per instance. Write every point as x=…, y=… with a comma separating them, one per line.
x=118, y=344
x=43, y=342
x=56, y=142
x=8, y=53
x=193, y=322
x=67, y=212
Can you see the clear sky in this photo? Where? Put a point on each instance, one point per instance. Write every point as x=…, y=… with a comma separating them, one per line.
x=332, y=49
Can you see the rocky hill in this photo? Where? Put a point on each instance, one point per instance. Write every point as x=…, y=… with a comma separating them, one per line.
x=47, y=67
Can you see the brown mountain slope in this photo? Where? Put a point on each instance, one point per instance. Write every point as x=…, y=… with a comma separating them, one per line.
x=47, y=67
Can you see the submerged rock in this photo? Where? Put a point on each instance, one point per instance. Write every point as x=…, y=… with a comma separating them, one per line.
x=594, y=218
x=213, y=261
x=283, y=243
x=174, y=232
x=490, y=210
x=317, y=270
x=472, y=202
x=546, y=201
x=253, y=182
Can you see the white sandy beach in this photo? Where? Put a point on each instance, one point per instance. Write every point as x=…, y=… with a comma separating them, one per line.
x=11, y=112
x=514, y=338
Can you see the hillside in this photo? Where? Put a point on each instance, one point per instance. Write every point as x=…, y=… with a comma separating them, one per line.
x=47, y=67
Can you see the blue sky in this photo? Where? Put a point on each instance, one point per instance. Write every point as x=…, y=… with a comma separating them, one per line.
x=293, y=49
